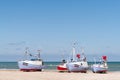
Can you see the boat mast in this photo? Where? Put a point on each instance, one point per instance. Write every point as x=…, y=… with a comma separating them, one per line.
x=73, y=53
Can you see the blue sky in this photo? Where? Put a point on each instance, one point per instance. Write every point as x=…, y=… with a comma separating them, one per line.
x=53, y=26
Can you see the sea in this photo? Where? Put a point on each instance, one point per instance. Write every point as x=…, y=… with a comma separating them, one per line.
x=113, y=66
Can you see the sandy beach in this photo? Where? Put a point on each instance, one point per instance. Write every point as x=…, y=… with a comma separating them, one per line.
x=54, y=75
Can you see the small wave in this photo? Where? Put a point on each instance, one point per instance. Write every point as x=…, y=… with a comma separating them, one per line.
x=52, y=65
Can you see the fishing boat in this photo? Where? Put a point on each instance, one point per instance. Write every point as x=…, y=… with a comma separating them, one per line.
x=62, y=67
x=100, y=67
x=77, y=65
x=34, y=64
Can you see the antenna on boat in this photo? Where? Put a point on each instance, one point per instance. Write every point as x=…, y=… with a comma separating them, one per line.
x=82, y=51
x=63, y=55
x=39, y=54
x=26, y=52
x=83, y=55
x=94, y=60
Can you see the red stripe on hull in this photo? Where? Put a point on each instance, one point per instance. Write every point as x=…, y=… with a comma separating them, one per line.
x=61, y=68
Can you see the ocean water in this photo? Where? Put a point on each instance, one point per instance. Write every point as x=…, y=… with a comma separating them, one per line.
x=113, y=66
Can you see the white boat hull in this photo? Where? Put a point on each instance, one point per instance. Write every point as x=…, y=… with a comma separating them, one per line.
x=77, y=66
x=27, y=65
x=99, y=68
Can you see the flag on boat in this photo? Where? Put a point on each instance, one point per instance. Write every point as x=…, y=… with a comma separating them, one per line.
x=104, y=58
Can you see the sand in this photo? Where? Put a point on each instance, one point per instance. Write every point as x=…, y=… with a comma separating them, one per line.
x=54, y=75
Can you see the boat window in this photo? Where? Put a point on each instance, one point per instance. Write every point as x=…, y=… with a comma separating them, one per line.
x=81, y=64
x=63, y=61
x=35, y=59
